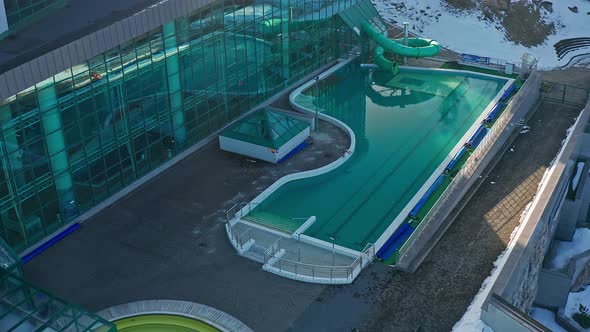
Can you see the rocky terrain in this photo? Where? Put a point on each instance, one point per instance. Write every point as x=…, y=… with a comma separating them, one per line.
x=497, y=28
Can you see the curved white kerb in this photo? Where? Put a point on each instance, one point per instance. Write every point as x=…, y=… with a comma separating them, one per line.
x=314, y=172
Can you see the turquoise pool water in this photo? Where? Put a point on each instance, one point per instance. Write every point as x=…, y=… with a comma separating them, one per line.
x=405, y=127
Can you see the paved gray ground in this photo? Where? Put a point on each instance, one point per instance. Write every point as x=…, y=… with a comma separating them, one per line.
x=166, y=241
x=437, y=295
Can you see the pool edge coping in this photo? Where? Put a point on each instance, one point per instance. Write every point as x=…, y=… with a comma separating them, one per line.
x=185, y=309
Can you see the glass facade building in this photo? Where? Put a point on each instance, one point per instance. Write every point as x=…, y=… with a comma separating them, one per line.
x=78, y=137
x=28, y=308
x=22, y=11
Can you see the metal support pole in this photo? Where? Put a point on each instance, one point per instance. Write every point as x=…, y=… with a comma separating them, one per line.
x=286, y=17
x=299, y=246
x=13, y=165
x=406, y=24
x=174, y=85
x=317, y=100
x=56, y=147
x=333, y=244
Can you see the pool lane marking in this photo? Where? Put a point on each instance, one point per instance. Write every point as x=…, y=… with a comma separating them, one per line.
x=393, y=169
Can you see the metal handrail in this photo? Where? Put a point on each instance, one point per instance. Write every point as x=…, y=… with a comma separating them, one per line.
x=238, y=208
x=346, y=272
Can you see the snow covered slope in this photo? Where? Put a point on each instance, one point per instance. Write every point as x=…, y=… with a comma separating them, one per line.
x=472, y=31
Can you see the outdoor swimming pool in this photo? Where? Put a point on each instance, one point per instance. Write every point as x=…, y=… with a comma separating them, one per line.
x=406, y=126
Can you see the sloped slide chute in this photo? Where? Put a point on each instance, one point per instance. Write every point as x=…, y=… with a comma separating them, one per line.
x=416, y=48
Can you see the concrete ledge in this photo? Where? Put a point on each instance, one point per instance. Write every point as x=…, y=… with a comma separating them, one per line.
x=329, y=246
x=206, y=314
x=303, y=227
x=314, y=172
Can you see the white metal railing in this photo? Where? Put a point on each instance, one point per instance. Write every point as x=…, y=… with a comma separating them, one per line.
x=434, y=218
x=239, y=210
x=318, y=273
x=239, y=239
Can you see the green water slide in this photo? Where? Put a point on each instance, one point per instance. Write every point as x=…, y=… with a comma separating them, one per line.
x=416, y=48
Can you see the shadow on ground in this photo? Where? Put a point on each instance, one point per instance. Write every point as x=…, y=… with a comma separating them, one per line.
x=436, y=296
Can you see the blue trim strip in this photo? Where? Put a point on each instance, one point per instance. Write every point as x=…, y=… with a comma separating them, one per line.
x=492, y=115
x=475, y=135
x=453, y=162
x=385, y=248
x=294, y=151
x=49, y=243
x=426, y=196
x=397, y=242
x=479, y=138
x=508, y=92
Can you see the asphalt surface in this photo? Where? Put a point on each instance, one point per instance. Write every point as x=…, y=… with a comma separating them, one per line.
x=167, y=241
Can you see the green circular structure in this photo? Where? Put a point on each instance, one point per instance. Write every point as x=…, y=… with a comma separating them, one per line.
x=162, y=323
x=171, y=316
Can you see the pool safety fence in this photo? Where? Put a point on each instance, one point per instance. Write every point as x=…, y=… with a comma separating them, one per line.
x=524, y=66
x=493, y=63
x=436, y=221
x=240, y=210
x=273, y=257
x=241, y=240
x=321, y=274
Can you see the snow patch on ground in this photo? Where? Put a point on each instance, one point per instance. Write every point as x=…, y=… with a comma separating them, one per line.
x=575, y=299
x=563, y=251
x=547, y=318
x=466, y=32
x=471, y=320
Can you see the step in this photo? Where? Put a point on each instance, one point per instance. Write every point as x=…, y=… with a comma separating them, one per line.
x=276, y=221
